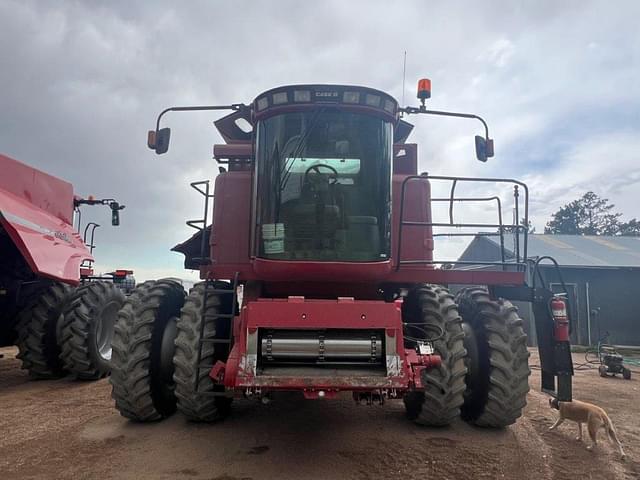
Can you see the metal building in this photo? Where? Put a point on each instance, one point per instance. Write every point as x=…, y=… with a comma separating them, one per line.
x=602, y=275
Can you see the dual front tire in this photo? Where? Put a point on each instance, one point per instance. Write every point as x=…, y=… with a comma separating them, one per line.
x=484, y=372
x=156, y=367
x=63, y=330
x=155, y=352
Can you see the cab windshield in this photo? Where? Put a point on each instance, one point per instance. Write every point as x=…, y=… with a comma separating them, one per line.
x=323, y=190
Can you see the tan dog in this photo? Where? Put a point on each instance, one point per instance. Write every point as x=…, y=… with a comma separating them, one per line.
x=582, y=412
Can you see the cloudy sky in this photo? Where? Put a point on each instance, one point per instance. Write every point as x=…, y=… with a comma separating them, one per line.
x=82, y=82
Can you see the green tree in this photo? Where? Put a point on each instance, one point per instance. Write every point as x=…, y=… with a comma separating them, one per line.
x=630, y=228
x=589, y=215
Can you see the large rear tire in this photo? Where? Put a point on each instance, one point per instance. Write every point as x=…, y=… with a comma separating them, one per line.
x=88, y=328
x=428, y=312
x=38, y=327
x=143, y=348
x=201, y=405
x=498, y=378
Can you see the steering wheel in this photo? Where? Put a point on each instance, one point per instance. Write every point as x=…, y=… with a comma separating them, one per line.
x=316, y=168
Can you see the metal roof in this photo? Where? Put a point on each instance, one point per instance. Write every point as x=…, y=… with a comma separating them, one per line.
x=579, y=250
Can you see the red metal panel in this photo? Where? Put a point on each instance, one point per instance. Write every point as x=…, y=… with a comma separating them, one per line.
x=44, y=191
x=49, y=245
x=234, y=150
x=229, y=239
x=417, y=241
x=314, y=314
x=303, y=271
x=299, y=313
x=230, y=248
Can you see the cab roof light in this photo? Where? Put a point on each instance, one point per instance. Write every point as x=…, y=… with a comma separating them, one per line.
x=279, y=98
x=351, y=97
x=301, y=96
x=372, y=100
x=262, y=103
x=389, y=106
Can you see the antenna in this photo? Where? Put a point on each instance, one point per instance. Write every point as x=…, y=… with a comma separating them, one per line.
x=404, y=75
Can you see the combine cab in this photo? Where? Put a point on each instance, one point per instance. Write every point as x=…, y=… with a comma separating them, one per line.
x=51, y=307
x=323, y=223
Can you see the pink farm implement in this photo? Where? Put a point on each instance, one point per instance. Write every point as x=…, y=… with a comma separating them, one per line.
x=59, y=315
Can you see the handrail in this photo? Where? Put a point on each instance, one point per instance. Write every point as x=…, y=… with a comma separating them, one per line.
x=452, y=199
x=202, y=221
x=516, y=227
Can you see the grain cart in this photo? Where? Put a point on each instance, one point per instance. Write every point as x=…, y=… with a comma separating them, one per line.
x=51, y=307
x=322, y=219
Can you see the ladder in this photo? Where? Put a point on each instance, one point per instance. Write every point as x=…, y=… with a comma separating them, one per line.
x=211, y=287
x=200, y=224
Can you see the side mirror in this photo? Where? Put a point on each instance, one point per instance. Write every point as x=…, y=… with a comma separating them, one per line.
x=484, y=148
x=115, y=213
x=159, y=140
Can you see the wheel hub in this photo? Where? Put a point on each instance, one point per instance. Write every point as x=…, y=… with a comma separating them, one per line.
x=167, y=349
x=104, y=330
x=164, y=375
x=477, y=363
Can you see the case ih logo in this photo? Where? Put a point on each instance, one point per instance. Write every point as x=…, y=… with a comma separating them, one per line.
x=38, y=228
x=327, y=94
x=62, y=236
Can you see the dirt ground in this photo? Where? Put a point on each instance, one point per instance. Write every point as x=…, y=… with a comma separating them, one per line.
x=66, y=429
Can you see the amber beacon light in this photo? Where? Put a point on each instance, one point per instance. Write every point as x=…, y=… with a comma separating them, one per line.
x=424, y=89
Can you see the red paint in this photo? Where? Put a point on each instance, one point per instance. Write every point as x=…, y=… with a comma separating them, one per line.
x=317, y=295
x=232, y=207
x=217, y=372
x=284, y=313
x=36, y=211
x=230, y=248
x=43, y=191
x=417, y=241
x=296, y=313
x=86, y=272
x=559, y=312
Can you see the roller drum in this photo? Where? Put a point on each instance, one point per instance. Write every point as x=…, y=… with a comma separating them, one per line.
x=319, y=347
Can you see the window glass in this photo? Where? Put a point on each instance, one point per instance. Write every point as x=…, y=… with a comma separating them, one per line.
x=323, y=190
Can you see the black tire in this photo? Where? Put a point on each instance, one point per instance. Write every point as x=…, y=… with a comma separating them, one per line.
x=602, y=370
x=433, y=313
x=626, y=373
x=499, y=382
x=38, y=327
x=87, y=329
x=201, y=406
x=142, y=360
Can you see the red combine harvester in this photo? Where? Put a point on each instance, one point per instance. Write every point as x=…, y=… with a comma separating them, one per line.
x=321, y=218
x=59, y=315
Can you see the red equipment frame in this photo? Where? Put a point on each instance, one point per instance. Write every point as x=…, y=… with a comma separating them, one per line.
x=402, y=366
x=36, y=211
x=301, y=295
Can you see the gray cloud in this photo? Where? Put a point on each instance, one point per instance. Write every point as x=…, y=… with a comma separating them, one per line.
x=82, y=82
